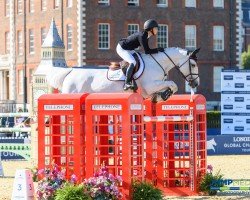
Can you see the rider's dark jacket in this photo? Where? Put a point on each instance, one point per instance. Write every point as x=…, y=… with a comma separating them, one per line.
x=135, y=40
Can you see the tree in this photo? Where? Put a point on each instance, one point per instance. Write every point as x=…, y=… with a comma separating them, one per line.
x=245, y=56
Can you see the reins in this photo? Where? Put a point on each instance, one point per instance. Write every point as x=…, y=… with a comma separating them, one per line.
x=178, y=68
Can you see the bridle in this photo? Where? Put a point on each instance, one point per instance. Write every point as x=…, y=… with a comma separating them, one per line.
x=179, y=67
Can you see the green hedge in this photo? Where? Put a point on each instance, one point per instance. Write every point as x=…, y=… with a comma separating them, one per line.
x=213, y=119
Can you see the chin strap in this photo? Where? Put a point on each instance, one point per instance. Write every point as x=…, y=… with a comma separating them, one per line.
x=152, y=32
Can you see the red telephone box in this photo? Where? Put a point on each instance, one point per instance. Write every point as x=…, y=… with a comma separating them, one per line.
x=181, y=144
x=114, y=136
x=61, y=136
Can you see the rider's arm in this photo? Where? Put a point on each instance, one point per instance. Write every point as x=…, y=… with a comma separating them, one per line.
x=143, y=39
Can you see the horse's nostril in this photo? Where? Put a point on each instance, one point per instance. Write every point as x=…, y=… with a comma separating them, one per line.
x=194, y=84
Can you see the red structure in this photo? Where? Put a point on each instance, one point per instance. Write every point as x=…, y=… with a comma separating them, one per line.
x=61, y=132
x=163, y=142
x=114, y=136
x=176, y=144
x=150, y=143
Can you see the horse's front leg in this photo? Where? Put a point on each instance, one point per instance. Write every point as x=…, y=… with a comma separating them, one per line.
x=162, y=90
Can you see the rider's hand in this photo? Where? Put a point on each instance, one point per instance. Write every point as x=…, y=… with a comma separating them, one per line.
x=161, y=49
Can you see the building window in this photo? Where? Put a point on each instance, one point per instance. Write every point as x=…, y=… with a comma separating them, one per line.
x=69, y=3
x=19, y=7
x=162, y=3
x=43, y=34
x=7, y=42
x=218, y=3
x=218, y=38
x=7, y=8
x=103, y=2
x=43, y=5
x=69, y=37
x=19, y=43
x=103, y=36
x=190, y=37
x=31, y=6
x=217, y=78
x=190, y=3
x=133, y=2
x=31, y=41
x=20, y=81
x=132, y=28
x=162, y=37
x=56, y=4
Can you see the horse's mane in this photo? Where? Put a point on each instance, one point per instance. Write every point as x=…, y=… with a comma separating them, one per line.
x=184, y=52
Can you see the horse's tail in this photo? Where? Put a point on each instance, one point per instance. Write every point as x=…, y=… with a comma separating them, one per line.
x=56, y=76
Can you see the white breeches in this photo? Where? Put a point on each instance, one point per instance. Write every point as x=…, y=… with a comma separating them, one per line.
x=125, y=54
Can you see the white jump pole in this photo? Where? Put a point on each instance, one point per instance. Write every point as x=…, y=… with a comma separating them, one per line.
x=167, y=118
x=14, y=114
x=27, y=129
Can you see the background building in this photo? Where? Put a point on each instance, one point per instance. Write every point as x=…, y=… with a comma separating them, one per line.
x=20, y=53
x=246, y=23
x=91, y=30
x=213, y=25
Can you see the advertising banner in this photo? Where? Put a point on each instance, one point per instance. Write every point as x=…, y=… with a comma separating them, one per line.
x=5, y=155
x=235, y=101
x=228, y=145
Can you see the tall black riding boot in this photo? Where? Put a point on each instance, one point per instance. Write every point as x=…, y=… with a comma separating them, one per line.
x=128, y=80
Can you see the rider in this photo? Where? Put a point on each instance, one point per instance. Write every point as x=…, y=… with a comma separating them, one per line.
x=126, y=46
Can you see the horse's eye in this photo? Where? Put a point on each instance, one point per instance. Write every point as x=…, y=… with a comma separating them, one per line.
x=193, y=65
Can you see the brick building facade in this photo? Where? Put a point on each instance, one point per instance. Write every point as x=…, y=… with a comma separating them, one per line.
x=38, y=17
x=246, y=24
x=97, y=25
x=206, y=17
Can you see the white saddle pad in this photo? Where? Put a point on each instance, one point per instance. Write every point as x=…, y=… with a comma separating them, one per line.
x=118, y=75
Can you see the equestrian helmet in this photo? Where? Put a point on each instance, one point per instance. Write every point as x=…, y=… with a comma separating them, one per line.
x=149, y=24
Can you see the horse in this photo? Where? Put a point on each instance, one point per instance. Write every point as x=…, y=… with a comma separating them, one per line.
x=152, y=82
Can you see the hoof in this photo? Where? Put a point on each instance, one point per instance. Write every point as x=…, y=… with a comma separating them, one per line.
x=166, y=94
x=154, y=98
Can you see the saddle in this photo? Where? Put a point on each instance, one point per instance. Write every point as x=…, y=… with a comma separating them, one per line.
x=123, y=65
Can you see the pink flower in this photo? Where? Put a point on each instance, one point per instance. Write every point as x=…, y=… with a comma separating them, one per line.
x=209, y=168
x=119, y=178
x=103, y=183
x=41, y=171
x=73, y=179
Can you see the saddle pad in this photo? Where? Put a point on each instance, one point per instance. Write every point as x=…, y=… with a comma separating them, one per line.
x=117, y=75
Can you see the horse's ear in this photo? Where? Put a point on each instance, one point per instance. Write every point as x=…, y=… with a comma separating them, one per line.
x=189, y=52
x=193, y=54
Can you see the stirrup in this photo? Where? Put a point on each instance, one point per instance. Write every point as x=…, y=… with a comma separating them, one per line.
x=128, y=86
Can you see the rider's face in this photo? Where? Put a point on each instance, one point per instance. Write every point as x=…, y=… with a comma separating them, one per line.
x=155, y=30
